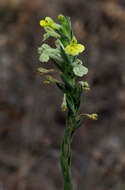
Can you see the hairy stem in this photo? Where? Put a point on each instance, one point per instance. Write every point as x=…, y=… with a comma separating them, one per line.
x=66, y=154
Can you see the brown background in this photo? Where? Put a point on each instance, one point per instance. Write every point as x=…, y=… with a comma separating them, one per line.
x=31, y=122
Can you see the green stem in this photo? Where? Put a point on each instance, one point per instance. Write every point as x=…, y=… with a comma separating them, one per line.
x=66, y=154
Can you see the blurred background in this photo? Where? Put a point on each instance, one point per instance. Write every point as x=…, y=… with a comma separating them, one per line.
x=31, y=121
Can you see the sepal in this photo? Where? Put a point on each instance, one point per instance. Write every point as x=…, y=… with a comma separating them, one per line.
x=70, y=104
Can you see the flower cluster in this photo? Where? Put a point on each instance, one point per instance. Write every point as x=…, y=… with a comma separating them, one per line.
x=65, y=42
x=64, y=39
x=64, y=55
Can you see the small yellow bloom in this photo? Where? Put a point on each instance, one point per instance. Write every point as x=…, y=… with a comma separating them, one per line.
x=48, y=22
x=44, y=71
x=92, y=116
x=74, y=48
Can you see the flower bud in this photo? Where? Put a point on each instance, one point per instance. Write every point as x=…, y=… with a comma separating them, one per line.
x=50, y=79
x=92, y=116
x=85, y=85
x=64, y=104
x=44, y=71
x=61, y=17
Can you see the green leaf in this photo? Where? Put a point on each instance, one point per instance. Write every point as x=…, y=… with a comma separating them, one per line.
x=68, y=68
x=65, y=31
x=67, y=81
x=64, y=38
x=61, y=87
x=68, y=27
x=70, y=103
x=78, y=95
x=58, y=65
x=65, y=56
x=79, y=123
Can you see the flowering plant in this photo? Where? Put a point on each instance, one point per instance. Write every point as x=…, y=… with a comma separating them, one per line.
x=65, y=57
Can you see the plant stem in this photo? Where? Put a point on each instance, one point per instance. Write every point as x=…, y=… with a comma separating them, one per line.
x=66, y=154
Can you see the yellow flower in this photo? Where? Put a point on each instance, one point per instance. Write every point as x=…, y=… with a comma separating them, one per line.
x=49, y=22
x=74, y=48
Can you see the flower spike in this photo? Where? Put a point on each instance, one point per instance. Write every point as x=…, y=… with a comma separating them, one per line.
x=64, y=56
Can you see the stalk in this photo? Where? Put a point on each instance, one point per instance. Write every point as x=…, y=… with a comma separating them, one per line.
x=66, y=154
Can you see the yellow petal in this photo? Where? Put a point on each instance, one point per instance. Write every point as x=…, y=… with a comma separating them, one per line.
x=80, y=47
x=47, y=22
x=74, y=49
x=43, y=23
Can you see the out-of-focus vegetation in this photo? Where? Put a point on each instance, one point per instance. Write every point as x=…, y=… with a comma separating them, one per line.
x=31, y=122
